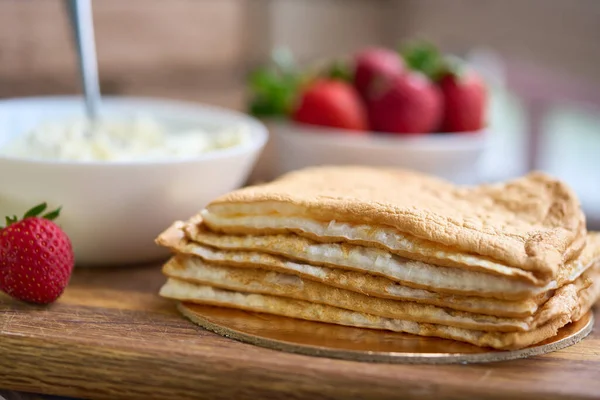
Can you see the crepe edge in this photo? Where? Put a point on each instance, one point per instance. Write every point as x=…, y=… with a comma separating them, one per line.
x=327, y=314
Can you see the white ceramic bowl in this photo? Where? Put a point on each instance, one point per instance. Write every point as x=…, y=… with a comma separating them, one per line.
x=113, y=211
x=452, y=156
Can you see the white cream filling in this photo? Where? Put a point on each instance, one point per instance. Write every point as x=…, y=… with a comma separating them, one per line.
x=386, y=236
x=380, y=262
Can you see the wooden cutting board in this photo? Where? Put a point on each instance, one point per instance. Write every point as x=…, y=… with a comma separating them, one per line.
x=110, y=336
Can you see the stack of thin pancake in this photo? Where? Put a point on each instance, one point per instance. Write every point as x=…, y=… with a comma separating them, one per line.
x=500, y=265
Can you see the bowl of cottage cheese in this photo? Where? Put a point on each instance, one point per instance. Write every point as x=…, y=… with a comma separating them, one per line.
x=122, y=178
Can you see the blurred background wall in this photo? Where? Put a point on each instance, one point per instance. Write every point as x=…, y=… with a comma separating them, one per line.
x=540, y=57
x=192, y=48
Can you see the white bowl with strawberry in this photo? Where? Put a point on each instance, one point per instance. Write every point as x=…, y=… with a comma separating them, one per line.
x=418, y=109
x=119, y=184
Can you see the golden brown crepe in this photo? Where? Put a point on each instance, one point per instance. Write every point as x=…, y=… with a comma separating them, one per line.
x=361, y=262
x=532, y=224
x=366, y=283
x=194, y=270
x=572, y=306
x=503, y=265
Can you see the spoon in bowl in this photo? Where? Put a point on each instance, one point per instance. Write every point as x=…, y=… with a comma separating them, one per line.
x=80, y=13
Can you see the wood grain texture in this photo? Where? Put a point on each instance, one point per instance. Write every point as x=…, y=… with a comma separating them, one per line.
x=110, y=336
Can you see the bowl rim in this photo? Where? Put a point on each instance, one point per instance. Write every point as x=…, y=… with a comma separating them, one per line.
x=372, y=139
x=259, y=134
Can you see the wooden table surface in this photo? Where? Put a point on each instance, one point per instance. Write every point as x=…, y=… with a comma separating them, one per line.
x=110, y=336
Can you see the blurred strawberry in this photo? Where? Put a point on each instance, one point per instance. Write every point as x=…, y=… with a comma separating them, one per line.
x=332, y=103
x=374, y=63
x=409, y=103
x=465, y=101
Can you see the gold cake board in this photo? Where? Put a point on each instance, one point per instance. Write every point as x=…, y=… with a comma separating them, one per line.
x=359, y=344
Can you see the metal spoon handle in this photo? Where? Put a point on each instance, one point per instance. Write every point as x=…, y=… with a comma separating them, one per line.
x=80, y=12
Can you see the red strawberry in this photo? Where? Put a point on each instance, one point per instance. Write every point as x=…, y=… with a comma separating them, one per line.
x=374, y=63
x=408, y=103
x=36, y=257
x=465, y=101
x=331, y=103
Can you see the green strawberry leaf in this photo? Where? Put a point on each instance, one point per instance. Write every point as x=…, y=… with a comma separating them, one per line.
x=35, y=211
x=53, y=214
x=340, y=71
x=424, y=57
x=454, y=66
x=273, y=88
x=10, y=220
x=271, y=93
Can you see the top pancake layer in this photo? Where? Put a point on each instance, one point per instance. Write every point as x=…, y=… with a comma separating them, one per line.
x=534, y=223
